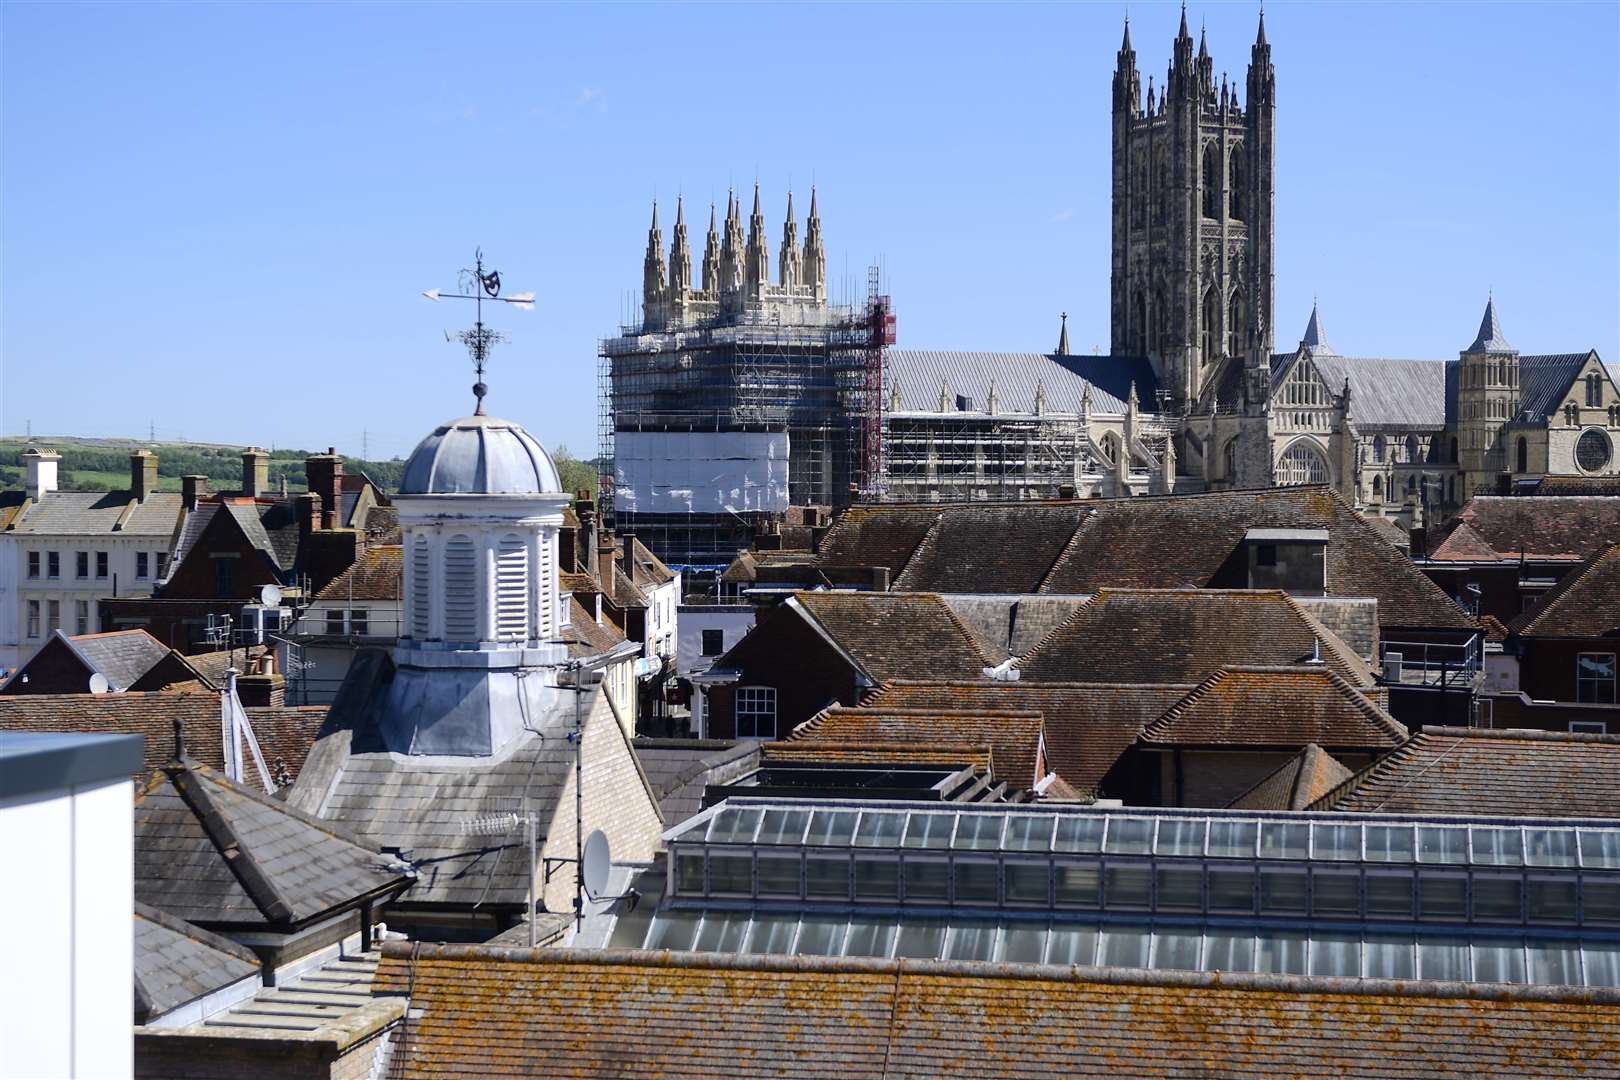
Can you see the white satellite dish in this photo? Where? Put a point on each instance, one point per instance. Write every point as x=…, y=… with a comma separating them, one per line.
x=598, y=861
x=270, y=596
x=99, y=683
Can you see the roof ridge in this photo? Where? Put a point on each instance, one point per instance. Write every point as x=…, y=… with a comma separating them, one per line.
x=1370, y=708
x=194, y=932
x=1179, y=708
x=1556, y=596
x=926, y=544
x=971, y=638
x=271, y=904
x=1389, y=761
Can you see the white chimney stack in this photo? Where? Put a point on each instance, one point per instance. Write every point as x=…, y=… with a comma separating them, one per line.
x=41, y=472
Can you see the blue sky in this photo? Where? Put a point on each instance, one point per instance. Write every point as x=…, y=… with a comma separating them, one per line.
x=218, y=219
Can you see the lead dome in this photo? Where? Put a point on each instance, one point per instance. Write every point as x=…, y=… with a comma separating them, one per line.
x=480, y=455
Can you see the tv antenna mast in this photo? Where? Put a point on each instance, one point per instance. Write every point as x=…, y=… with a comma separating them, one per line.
x=479, y=285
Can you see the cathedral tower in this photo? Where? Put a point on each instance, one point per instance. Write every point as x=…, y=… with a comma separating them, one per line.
x=1487, y=399
x=1193, y=171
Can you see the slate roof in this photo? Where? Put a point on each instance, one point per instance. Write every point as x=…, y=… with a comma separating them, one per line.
x=270, y=527
x=620, y=1012
x=87, y=513
x=1010, y=624
x=284, y=733
x=176, y=963
x=218, y=853
x=1531, y=526
x=1013, y=736
x=1585, y=604
x=1298, y=782
x=679, y=770
x=918, y=374
x=1185, y=635
x=1489, y=338
x=1168, y=541
x=123, y=656
x=1488, y=771
x=1544, y=380
x=1087, y=727
x=378, y=574
x=1409, y=395
x=992, y=549
x=196, y=524
x=899, y=635
x=1255, y=707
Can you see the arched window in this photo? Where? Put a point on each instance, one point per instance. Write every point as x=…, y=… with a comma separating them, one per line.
x=460, y=589
x=1209, y=331
x=1594, y=390
x=1302, y=463
x=511, y=588
x=1378, y=489
x=1212, y=182
x=1108, y=446
x=421, y=589
x=1523, y=464
x=1236, y=179
x=1235, y=325
x=1229, y=462
x=1379, y=447
x=1411, y=448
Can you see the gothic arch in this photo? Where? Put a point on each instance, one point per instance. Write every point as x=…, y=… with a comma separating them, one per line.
x=1108, y=447
x=1237, y=178
x=1304, y=462
x=1212, y=182
x=1236, y=323
x=1378, y=489
x=1209, y=326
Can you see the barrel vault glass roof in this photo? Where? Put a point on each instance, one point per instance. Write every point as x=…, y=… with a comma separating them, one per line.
x=1471, y=899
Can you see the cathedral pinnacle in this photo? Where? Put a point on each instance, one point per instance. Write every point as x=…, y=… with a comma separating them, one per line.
x=1489, y=339
x=652, y=276
x=1261, y=38
x=1183, y=33
x=680, y=254
x=1125, y=46
x=1063, y=335
x=789, y=257
x=1203, y=42
x=711, y=255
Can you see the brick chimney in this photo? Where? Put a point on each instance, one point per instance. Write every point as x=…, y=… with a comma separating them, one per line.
x=192, y=490
x=585, y=546
x=41, y=472
x=262, y=685
x=255, y=472
x=326, y=553
x=324, y=472
x=309, y=514
x=142, y=474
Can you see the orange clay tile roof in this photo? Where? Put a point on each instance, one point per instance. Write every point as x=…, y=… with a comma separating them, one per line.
x=1276, y=706
x=378, y=574
x=1585, y=604
x=1535, y=527
x=284, y=732
x=1302, y=779
x=1184, y=635
x=1015, y=737
x=1485, y=771
x=960, y=754
x=899, y=635
x=480, y=1011
x=1087, y=726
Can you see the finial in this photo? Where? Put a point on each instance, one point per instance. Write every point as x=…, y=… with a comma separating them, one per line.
x=479, y=390
x=655, y=214
x=680, y=211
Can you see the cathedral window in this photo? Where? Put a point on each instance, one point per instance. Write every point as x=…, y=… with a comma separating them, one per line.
x=1109, y=448
x=1594, y=390
x=1209, y=332
x=1411, y=448
x=1592, y=450
x=1378, y=489
x=1234, y=327
x=1379, y=446
x=460, y=589
x=1230, y=459
x=1236, y=183
x=1523, y=455
x=1212, y=182
x=1302, y=463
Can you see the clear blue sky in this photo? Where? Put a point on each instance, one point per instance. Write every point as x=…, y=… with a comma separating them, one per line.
x=218, y=219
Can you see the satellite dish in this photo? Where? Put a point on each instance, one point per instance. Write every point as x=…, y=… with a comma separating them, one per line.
x=98, y=683
x=270, y=596
x=598, y=861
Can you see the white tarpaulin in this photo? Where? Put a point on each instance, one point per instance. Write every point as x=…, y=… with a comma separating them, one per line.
x=699, y=472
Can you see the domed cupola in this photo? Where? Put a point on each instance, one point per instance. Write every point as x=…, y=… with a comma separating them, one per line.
x=480, y=455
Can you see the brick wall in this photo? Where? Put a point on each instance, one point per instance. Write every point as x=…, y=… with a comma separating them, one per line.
x=784, y=652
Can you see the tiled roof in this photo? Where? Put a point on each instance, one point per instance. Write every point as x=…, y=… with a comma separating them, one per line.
x=1531, y=526
x=954, y=754
x=567, y=1012
x=899, y=635
x=1276, y=706
x=679, y=770
x=176, y=963
x=1486, y=771
x=1013, y=736
x=876, y=536
x=918, y=375
x=586, y=636
x=214, y=852
x=649, y=570
x=1183, y=636
x=1298, y=782
x=378, y=574
x=89, y=513
x=284, y=733
x=1087, y=726
x=382, y=525
x=1392, y=533
x=1578, y=485
x=1407, y=394
x=211, y=666
x=1585, y=604
x=992, y=549
x=1010, y=624
x=121, y=655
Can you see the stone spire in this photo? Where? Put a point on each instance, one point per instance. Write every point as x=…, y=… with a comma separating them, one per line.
x=757, y=261
x=1063, y=336
x=1183, y=32
x=711, y=256
x=652, y=272
x=731, y=248
x=1315, y=338
x=1489, y=339
x=813, y=272
x=1260, y=38
x=1125, y=45
x=788, y=259
x=680, y=254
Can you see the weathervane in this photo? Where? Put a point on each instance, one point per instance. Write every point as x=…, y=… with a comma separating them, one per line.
x=479, y=285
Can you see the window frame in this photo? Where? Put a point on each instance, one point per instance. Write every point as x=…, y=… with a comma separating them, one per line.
x=33, y=565
x=756, y=698
x=81, y=566
x=143, y=565
x=704, y=639
x=34, y=611
x=102, y=565
x=1582, y=682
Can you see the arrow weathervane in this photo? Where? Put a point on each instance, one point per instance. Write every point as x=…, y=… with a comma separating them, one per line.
x=479, y=285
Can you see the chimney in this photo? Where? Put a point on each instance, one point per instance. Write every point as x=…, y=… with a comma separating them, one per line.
x=324, y=472
x=309, y=514
x=41, y=472
x=585, y=546
x=192, y=490
x=255, y=472
x=260, y=689
x=142, y=474
x=627, y=557
x=880, y=578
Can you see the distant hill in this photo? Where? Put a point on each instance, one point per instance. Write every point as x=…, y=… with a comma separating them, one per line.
x=103, y=464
